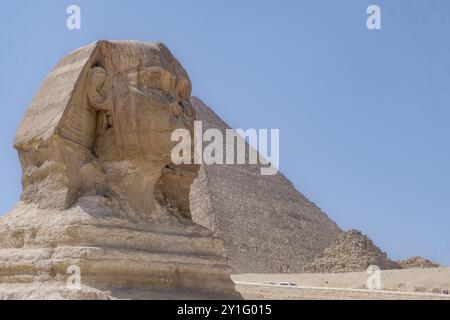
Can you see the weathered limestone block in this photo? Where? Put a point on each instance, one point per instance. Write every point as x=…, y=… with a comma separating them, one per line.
x=99, y=191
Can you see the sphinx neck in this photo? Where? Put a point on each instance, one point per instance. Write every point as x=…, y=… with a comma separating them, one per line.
x=133, y=184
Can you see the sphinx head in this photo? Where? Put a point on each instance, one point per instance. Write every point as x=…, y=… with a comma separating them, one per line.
x=102, y=123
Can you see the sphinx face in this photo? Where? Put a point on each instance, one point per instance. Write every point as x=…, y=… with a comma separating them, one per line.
x=148, y=107
x=149, y=99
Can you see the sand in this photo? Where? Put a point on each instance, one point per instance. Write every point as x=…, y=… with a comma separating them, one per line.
x=395, y=284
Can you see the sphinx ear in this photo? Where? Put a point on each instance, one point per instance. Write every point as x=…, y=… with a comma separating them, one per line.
x=95, y=79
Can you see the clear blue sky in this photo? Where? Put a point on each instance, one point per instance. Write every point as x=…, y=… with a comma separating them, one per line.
x=364, y=116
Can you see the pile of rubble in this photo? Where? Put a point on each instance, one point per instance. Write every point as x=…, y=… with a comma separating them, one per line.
x=417, y=263
x=352, y=251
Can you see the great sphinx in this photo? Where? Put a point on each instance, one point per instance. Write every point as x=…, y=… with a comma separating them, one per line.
x=99, y=190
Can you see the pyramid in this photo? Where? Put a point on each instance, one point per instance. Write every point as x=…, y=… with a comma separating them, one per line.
x=266, y=224
x=352, y=251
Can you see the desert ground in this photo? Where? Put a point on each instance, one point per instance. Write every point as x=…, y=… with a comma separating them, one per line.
x=395, y=284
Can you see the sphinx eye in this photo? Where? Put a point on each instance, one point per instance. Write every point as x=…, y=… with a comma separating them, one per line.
x=157, y=78
x=176, y=110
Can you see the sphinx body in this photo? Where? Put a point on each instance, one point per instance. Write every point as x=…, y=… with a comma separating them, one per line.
x=99, y=191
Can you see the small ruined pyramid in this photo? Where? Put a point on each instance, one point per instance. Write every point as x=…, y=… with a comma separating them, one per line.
x=352, y=251
x=417, y=262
